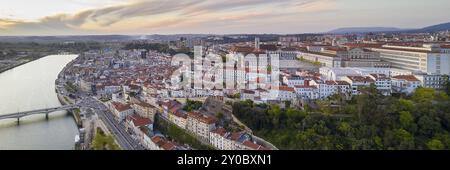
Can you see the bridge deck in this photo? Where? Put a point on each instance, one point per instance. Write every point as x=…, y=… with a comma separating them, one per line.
x=39, y=111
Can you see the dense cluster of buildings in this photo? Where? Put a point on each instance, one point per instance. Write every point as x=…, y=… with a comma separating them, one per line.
x=136, y=85
x=133, y=84
x=346, y=65
x=205, y=127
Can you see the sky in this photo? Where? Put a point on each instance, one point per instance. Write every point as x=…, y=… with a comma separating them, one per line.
x=81, y=17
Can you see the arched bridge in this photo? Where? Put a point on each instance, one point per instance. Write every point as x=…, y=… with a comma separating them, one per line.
x=47, y=111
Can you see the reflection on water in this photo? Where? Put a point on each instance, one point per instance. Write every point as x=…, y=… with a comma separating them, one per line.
x=30, y=87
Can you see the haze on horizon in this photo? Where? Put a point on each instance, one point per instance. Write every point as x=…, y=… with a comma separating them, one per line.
x=75, y=17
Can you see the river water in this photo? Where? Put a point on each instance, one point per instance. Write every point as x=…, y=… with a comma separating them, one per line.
x=31, y=87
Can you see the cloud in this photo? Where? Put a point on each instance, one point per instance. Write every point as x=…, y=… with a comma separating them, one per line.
x=159, y=15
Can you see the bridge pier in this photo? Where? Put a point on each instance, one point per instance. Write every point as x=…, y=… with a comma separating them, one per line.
x=18, y=121
x=46, y=116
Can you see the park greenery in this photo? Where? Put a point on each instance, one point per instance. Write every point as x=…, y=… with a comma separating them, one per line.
x=104, y=142
x=192, y=105
x=234, y=96
x=37, y=50
x=315, y=63
x=368, y=121
x=70, y=87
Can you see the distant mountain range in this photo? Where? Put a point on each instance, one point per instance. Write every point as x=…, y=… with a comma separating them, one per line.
x=433, y=28
x=226, y=39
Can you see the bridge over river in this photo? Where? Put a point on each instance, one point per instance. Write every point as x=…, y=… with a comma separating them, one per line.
x=46, y=111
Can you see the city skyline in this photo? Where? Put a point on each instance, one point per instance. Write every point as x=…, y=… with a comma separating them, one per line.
x=75, y=17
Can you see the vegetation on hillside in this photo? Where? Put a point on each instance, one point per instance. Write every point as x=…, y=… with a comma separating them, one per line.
x=104, y=142
x=368, y=121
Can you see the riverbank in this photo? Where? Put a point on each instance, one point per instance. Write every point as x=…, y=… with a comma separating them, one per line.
x=17, y=65
x=31, y=87
x=74, y=112
x=28, y=61
x=64, y=99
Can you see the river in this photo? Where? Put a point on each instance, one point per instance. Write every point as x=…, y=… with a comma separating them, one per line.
x=29, y=87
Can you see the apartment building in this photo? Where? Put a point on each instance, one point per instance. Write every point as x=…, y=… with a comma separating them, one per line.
x=405, y=83
x=427, y=58
x=383, y=83
x=357, y=82
x=200, y=124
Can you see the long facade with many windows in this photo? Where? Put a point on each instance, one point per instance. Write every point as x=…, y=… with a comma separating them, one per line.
x=415, y=59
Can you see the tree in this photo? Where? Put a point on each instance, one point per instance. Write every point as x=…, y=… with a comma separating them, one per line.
x=403, y=139
x=406, y=119
x=104, y=142
x=344, y=128
x=405, y=105
x=420, y=121
x=274, y=113
x=192, y=105
x=287, y=104
x=219, y=115
x=427, y=126
x=447, y=84
x=435, y=144
x=423, y=95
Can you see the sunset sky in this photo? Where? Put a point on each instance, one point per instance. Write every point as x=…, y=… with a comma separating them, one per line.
x=72, y=17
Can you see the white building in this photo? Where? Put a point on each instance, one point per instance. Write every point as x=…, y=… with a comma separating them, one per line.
x=307, y=92
x=434, y=81
x=284, y=93
x=326, y=60
x=144, y=110
x=218, y=138
x=383, y=83
x=329, y=88
x=179, y=118
x=428, y=59
x=200, y=124
x=405, y=83
x=121, y=110
x=357, y=82
x=294, y=80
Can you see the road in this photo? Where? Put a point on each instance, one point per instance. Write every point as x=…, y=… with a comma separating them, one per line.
x=117, y=128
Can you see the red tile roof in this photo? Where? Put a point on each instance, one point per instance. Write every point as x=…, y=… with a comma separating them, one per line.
x=407, y=50
x=361, y=79
x=286, y=88
x=207, y=119
x=157, y=140
x=163, y=143
x=235, y=136
x=180, y=113
x=359, y=45
x=120, y=106
x=138, y=120
x=305, y=87
x=219, y=131
x=254, y=146
x=268, y=47
x=328, y=82
x=342, y=82
x=406, y=77
x=143, y=104
x=169, y=146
